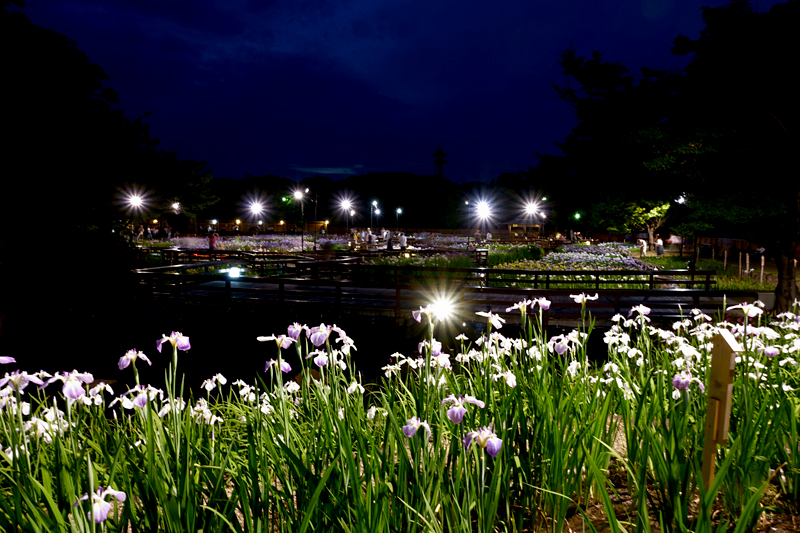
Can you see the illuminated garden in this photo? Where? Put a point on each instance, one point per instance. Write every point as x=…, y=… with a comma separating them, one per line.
x=493, y=433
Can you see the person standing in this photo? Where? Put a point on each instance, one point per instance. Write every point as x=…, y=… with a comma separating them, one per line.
x=488, y=236
x=643, y=247
x=402, y=241
x=212, y=241
x=659, y=246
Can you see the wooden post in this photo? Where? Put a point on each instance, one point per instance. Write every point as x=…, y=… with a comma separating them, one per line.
x=740, y=264
x=747, y=263
x=725, y=261
x=719, y=392
x=762, y=269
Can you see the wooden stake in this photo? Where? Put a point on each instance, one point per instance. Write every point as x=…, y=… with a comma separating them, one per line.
x=762, y=269
x=719, y=391
x=747, y=262
x=725, y=261
x=740, y=264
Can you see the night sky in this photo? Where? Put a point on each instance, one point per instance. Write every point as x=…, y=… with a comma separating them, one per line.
x=299, y=88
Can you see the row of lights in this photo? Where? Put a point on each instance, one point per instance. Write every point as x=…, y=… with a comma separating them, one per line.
x=257, y=208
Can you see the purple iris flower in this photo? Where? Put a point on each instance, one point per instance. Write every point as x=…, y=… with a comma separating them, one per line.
x=100, y=507
x=130, y=357
x=683, y=379
x=18, y=380
x=321, y=359
x=544, y=303
x=458, y=410
x=73, y=383
x=177, y=340
x=6, y=360
x=486, y=439
x=771, y=351
x=436, y=347
x=320, y=334
x=295, y=329
x=414, y=423
x=285, y=367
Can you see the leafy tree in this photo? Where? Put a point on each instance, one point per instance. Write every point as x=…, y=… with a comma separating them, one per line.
x=630, y=217
x=723, y=133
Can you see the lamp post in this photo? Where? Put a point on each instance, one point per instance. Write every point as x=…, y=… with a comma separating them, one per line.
x=256, y=209
x=484, y=211
x=530, y=210
x=298, y=195
x=346, y=206
x=469, y=219
x=372, y=207
x=398, y=212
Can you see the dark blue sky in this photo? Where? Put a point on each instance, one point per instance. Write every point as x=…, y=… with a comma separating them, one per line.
x=297, y=88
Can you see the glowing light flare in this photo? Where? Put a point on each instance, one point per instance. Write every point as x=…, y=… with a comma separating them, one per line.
x=135, y=201
x=176, y=206
x=238, y=221
x=377, y=211
x=214, y=222
x=298, y=194
x=256, y=208
x=442, y=308
x=531, y=208
x=399, y=211
x=484, y=211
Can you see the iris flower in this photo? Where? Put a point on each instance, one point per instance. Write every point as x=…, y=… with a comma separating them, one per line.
x=177, y=340
x=682, y=380
x=749, y=310
x=414, y=423
x=521, y=306
x=285, y=367
x=18, y=380
x=771, y=351
x=281, y=340
x=130, y=357
x=495, y=320
x=295, y=329
x=458, y=409
x=100, y=507
x=544, y=303
x=73, y=383
x=320, y=334
x=582, y=298
x=486, y=439
x=6, y=360
x=641, y=309
x=355, y=386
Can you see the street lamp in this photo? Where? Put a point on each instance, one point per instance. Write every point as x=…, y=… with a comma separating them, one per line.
x=484, y=211
x=298, y=195
x=469, y=219
x=372, y=207
x=346, y=207
x=398, y=212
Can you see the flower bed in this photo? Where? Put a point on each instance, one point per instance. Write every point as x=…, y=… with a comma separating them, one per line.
x=494, y=433
x=262, y=243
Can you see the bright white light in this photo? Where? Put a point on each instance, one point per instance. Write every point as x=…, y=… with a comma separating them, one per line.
x=135, y=201
x=377, y=211
x=483, y=210
x=375, y=203
x=298, y=194
x=214, y=222
x=346, y=205
x=235, y=271
x=256, y=208
x=352, y=213
x=238, y=221
x=681, y=200
x=176, y=206
x=306, y=190
x=399, y=211
x=260, y=222
x=442, y=308
x=530, y=208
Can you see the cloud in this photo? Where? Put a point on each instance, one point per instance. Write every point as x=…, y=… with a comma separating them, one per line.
x=327, y=170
